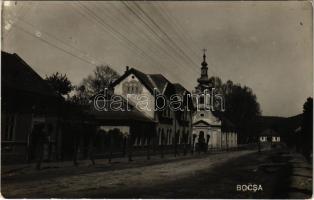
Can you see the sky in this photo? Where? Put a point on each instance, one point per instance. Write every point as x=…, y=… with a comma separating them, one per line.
x=266, y=46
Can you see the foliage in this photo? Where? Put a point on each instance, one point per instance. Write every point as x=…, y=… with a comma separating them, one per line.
x=60, y=83
x=94, y=83
x=241, y=107
x=80, y=96
x=307, y=127
x=101, y=78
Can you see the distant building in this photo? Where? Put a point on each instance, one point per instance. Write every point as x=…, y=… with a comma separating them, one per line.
x=29, y=109
x=210, y=129
x=269, y=135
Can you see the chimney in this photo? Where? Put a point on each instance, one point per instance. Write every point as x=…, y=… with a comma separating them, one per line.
x=126, y=68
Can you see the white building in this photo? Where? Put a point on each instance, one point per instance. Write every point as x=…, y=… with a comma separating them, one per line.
x=146, y=122
x=269, y=135
x=210, y=129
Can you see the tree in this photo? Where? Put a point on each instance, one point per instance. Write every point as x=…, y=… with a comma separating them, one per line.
x=215, y=82
x=241, y=106
x=60, y=83
x=101, y=78
x=94, y=83
x=80, y=97
x=307, y=128
x=243, y=110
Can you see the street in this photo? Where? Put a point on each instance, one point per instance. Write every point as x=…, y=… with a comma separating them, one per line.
x=213, y=175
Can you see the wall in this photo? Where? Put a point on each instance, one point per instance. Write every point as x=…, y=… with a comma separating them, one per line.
x=133, y=99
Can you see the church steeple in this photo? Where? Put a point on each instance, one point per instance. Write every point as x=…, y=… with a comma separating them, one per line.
x=204, y=63
x=203, y=81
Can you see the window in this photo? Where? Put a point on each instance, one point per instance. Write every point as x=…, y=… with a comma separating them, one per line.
x=202, y=114
x=132, y=87
x=201, y=99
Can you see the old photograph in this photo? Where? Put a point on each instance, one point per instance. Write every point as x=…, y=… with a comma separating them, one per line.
x=157, y=99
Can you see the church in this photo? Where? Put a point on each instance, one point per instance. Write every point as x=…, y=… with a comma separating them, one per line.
x=211, y=129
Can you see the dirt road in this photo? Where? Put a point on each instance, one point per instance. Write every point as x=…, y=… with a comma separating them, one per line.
x=112, y=180
x=205, y=176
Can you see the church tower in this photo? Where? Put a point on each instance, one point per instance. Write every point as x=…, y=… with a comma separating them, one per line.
x=203, y=81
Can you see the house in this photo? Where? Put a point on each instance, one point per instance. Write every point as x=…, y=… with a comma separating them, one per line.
x=269, y=135
x=144, y=113
x=29, y=108
x=210, y=128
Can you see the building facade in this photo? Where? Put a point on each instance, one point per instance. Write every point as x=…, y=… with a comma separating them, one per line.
x=30, y=113
x=269, y=135
x=211, y=129
x=147, y=117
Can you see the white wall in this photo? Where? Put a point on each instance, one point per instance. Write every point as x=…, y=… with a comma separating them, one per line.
x=133, y=99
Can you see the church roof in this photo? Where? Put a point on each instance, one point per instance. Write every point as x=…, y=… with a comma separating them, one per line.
x=205, y=123
x=217, y=119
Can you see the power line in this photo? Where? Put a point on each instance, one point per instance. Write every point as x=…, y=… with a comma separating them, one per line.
x=175, y=24
x=185, y=34
x=23, y=15
x=129, y=28
x=108, y=28
x=63, y=42
x=167, y=19
x=172, y=44
x=162, y=52
x=151, y=29
x=164, y=32
x=171, y=26
x=21, y=19
x=53, y=45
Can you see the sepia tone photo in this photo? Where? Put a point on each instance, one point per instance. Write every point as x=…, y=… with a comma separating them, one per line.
x=157, y=99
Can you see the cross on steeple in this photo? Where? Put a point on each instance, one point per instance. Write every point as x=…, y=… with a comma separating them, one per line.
x=204, y=56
